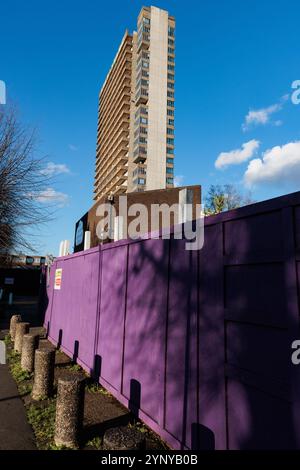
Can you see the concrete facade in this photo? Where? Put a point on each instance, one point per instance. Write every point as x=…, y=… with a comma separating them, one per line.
x=157, y=110
x=113, y=124
x=135, y=142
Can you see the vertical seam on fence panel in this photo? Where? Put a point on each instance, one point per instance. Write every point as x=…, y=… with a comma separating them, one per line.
x=52, y=296
x=162, y=420
x=292, y=308
x=187, y=365
x=198, y=334
x=226, y=407
x=224, y=338
x=124, y=319
x=98, y=307
x=290, y=261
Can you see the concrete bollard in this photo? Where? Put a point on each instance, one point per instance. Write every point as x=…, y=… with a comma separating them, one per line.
x=69, y=411
x=13, y=323
x=22, y=328
x=43, y=373
x=30, y=344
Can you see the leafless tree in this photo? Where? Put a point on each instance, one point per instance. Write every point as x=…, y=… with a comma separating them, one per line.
x=21, y=181
x=224, y=198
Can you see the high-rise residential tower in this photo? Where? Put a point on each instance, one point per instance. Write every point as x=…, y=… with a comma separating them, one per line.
x=135, y=142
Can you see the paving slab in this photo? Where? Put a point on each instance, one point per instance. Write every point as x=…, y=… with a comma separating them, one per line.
x=15, y=431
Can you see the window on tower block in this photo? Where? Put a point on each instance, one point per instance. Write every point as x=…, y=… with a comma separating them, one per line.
x=171, y=31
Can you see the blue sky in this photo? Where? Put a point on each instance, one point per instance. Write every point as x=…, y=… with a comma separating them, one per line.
x=233, y=59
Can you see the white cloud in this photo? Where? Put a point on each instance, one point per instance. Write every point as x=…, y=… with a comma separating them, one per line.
x=256, y=117
x=52, y=196
x=280, y=164
x=52, y=169
x=234, y=157
x=285, y=98
x=260, y=116
x=178, y=180
x=73, y=147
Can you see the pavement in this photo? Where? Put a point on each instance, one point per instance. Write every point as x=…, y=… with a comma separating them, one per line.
x=15, y=431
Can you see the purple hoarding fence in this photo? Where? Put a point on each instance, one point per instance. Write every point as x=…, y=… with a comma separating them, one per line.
x=197, y=343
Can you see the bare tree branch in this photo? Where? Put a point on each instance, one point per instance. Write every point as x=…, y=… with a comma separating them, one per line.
x=21, y=181
x=224, y=198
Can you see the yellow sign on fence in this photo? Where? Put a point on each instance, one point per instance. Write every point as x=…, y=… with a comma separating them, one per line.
x=57, y=280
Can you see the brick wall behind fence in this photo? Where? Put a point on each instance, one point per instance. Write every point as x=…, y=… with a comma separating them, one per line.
x=198, y=343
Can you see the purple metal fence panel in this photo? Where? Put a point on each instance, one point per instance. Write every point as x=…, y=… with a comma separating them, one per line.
x=111, y=316
x=49, y=294
x=197, y=343
x=249, y=297
x=212, y=416
x=145, y=326
x=74, y=307
x=181, y=358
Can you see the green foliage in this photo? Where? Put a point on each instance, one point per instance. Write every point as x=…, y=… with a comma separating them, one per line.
x=55, y=447
x=151, y=439
x=42, y=420
x=93, y=387
x=13, y=357
x=223, y=198
x=96, y=443
x=25, y=388
x=7, y=340
x=141, y=428
x=74, y=368
x=18, y=373
x=21, y=377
